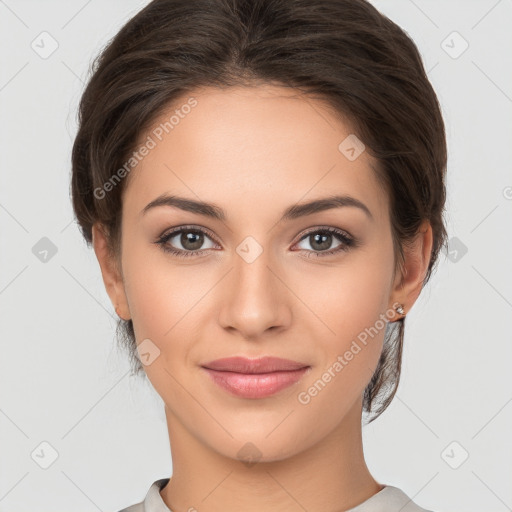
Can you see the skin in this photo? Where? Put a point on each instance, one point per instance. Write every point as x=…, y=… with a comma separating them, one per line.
x=254, y=151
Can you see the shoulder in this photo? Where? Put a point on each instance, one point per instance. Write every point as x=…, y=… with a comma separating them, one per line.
x=391, y=499
x=153, y=501
x=138, y=507
x=403, y=500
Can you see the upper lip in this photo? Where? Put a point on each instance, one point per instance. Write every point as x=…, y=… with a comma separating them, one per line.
x=261, y=365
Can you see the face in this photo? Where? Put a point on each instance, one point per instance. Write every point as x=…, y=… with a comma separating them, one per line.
x=314, y=286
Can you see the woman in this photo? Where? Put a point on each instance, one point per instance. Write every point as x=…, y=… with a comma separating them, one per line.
x=263, y=185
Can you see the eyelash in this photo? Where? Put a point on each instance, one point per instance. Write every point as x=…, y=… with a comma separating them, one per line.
x=347, y=242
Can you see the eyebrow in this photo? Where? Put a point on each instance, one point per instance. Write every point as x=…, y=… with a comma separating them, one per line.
x=291, y=213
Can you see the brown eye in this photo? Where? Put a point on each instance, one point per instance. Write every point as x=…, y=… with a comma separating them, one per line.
x=185, y=241
x=321, y=240
x=191, y=240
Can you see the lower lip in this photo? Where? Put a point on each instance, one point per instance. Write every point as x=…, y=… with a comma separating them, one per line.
x=255, y=385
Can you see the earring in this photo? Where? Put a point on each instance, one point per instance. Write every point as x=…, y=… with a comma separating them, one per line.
x=400, y=309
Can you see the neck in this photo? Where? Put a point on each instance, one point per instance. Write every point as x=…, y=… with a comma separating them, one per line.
x=329, y=476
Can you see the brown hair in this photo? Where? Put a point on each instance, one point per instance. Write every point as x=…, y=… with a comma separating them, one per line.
x=342, y=51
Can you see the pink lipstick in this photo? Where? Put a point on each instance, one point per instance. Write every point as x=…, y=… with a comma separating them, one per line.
x=255, y=378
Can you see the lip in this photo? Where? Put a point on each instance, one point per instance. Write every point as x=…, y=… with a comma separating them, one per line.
x=265, y=364
x=255, y=378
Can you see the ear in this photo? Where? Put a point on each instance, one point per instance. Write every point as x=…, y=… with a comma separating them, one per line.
x=409, y=279
x=112, y=276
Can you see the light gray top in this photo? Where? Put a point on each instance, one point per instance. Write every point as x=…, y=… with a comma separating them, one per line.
x=388, y=499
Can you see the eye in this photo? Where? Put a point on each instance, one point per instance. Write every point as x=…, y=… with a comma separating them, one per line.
x=321, y=239
x=191, y=240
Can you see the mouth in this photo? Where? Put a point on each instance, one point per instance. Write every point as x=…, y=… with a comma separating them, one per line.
x=255, y=378
x=265, y=364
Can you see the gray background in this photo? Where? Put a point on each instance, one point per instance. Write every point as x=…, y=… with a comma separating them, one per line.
x=62, y=380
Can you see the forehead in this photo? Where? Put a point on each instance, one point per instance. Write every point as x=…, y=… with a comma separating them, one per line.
x=242, y=147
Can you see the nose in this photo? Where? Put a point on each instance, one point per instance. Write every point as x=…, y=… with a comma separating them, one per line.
x=254, y=298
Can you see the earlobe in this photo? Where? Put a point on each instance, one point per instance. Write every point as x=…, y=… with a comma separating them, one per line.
x=119, y=314
x=409, y=282
x=112, y=278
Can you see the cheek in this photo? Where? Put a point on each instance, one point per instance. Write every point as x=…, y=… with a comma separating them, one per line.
x=166, y=300
x=349, y=356
x=353, y=304
x=333, y=305
x=353, y=295
x=152, y=291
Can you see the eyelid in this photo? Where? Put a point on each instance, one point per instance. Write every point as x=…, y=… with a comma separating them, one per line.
x=304, y=234
x=330, y=229
x=190, y=227
x=347, y=241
